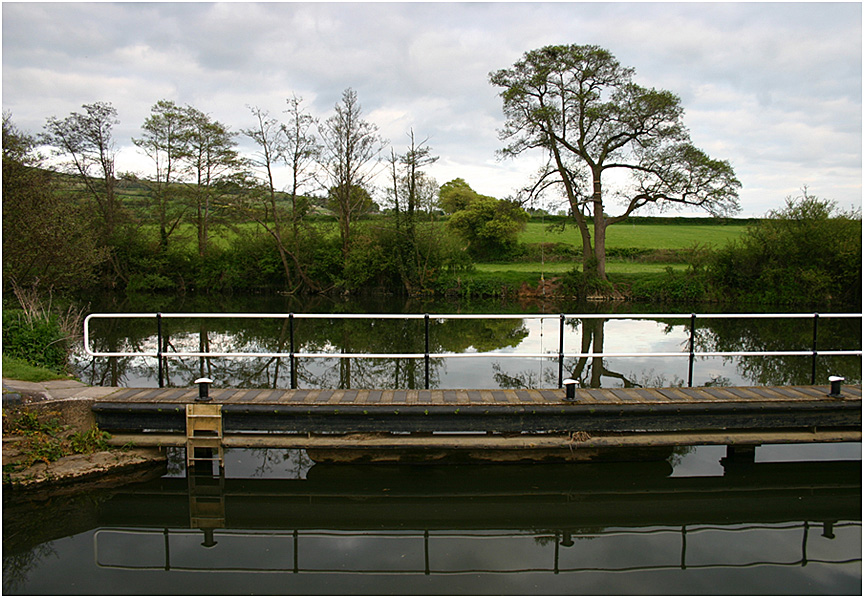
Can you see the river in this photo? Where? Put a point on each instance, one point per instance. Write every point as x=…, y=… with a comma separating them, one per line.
x=790, y=523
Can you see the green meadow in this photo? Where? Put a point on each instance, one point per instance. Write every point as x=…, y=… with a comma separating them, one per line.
x=642, y=235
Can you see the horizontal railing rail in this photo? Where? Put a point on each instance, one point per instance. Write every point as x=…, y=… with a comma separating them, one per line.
x=558, y=543
x=161, y=354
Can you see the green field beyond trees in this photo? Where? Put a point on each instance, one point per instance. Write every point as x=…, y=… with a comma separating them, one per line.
x=641, y=235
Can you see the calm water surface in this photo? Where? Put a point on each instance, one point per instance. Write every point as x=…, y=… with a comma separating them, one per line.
x=790, y=523
x=787, y=524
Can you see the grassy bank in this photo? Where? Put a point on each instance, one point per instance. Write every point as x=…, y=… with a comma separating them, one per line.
x=640, y=255
x=641, y=235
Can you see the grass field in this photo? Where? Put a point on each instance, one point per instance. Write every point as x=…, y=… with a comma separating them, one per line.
x=557, y=268
x=642, y=236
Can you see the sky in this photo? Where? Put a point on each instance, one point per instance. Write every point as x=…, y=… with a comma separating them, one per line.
x=773, y=88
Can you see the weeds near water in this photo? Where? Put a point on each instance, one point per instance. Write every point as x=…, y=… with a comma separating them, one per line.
x=42, y=438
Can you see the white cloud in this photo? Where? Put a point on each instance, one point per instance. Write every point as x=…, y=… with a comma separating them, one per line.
x=773, y=88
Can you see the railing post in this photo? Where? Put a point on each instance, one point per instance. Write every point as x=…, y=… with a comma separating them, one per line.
x=426, y=348
x=293, y=374
x=167, y=549
x=692, y=349
x=561, y=351
x=159, y=348
x=815, y=333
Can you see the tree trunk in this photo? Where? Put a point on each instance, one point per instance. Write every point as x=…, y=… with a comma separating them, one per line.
x=599, y=262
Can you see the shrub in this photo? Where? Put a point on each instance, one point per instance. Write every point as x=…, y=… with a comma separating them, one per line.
x=39, y=342
x=808, y=252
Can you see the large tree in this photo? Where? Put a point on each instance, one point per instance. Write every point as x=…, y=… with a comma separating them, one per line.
x=48, y=240
x=351, y=146
x=165, y=141
x=412, y=190
x=584, y=111
x=490, y=226
x=211, y=165
x=291, y=143
x=86, y=141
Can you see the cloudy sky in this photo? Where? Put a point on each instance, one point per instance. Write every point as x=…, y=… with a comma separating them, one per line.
x=774, y=88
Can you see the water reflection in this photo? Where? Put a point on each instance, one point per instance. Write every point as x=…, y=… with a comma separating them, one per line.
x=505, y=337
x=378, y=524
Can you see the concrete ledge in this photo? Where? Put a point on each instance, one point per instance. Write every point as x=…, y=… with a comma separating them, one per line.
x=495, y=442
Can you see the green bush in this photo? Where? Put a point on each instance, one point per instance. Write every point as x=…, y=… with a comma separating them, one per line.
x=38, y=341
x=582, y=285
x=806, y=253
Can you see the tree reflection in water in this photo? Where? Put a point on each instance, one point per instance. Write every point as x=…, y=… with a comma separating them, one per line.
x=387, y=336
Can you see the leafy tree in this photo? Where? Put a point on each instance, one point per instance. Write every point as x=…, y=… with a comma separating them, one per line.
x=490, y=226
x=86, y=140
x=302, y=150
x=351, y=147
x=807, y=251
x=212, y=165
x=47, y=238
x=412, y=190
x=582, y=109
x=165, y=141
x=455, y=195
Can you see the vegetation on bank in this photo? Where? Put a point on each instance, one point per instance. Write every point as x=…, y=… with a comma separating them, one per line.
x=16, y=368
x=421, y=240
x=41, y=437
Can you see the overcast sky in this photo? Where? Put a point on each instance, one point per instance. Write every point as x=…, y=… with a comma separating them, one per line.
x=773, y=88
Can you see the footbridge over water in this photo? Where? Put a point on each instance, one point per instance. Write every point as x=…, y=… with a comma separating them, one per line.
x=566, y=423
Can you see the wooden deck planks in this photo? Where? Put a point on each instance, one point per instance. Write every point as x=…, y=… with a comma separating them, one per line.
x=600, y=396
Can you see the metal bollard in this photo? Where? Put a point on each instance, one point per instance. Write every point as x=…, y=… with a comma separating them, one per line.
x=203, y=389
x=570, y=389
x=836, y=384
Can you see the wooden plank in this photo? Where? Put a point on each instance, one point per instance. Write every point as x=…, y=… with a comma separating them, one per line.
x=649, y=395
x=523, y=396
x=602, y=396
x=673, y=394
x=764, y=393
x=791, y=392
x=552, y=396
x=624, y=396
x=319, y=396
x=146, y=394
x=719, y=392
x=499, y=396
x=356, y=397
x=462, y=397
x=852, y=390
x=743, y=393
x=240, y=395
x=177, y=394
x=820, y=392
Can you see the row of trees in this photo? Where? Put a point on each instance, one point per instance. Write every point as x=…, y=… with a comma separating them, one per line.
x=575, y=104
x=199, y=178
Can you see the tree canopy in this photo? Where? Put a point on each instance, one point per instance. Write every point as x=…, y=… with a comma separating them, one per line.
x=580, y=107
x=490, y=226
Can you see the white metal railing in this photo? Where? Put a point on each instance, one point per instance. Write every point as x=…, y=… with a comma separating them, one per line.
x=421, y=544
x=691, y=352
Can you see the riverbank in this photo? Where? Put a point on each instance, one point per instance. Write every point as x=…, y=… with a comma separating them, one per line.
x=35, y=465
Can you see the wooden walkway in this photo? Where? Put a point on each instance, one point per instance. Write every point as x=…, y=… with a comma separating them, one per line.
x=410, y=423
x=515, y=398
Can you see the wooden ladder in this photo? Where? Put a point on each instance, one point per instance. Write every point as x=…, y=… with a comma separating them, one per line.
x=204, y=431
x=206, y=502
